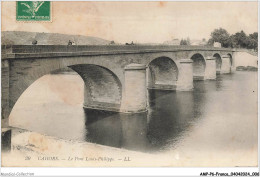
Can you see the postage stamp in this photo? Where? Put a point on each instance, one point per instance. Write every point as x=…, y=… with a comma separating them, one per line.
x=33, y=11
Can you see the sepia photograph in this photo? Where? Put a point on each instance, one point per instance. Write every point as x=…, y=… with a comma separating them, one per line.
x=129, y=84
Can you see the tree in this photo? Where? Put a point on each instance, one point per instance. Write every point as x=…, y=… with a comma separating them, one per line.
x=210, y=42
x=253, y=41
x=183, y=42
x=254, y=36
x=112, y=42
x=188, y=41
x=220, y=35
x=240, y=40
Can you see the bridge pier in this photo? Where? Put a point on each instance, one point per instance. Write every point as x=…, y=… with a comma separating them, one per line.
x=210, y=70
x=185, y=78
x=134, y=96
x=226, y=66
x=232, y=67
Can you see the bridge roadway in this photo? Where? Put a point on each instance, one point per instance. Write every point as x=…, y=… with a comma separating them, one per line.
x=116, y=77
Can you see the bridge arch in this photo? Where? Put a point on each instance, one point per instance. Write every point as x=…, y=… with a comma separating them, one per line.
x=162, y=73
x=103, y=88
x=199, y=66
x=218, y=62
x=230, y=59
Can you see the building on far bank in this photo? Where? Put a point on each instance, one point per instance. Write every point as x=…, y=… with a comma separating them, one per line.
x=217, y=44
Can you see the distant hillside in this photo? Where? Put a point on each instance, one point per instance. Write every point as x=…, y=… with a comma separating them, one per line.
x=26, y=38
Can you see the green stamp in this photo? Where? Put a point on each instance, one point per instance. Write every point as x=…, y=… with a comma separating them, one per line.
x=33, y=11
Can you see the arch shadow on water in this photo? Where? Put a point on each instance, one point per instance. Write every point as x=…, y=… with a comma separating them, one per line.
x=116, y=129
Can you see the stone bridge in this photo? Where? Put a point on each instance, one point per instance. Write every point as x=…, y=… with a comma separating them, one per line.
x=116, y=77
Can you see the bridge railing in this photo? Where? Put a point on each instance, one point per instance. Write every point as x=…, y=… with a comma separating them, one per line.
x=13, y=49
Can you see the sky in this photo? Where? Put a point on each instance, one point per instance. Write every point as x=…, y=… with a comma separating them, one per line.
x=142, y=22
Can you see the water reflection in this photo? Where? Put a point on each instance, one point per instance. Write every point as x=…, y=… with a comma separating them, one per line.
x=134, y=128
x=168, y=116
x=103, y=127
x=117, y=129
x=170, y=113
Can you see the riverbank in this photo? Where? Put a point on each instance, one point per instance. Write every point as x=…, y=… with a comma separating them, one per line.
x=35, y=149
x=246, y=68
x=31, y=149
x=245, y=59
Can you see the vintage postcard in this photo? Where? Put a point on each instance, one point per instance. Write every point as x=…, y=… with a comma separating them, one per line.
x=129, y=84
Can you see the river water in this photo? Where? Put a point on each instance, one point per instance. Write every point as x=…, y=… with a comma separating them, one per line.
x=218, y=113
